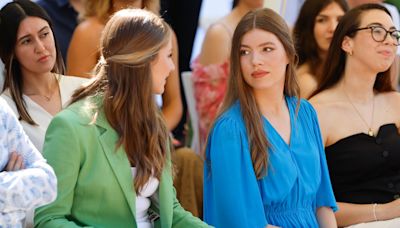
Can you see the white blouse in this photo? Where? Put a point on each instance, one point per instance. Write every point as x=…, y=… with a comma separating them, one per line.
x=143, y=201
x=36, y=133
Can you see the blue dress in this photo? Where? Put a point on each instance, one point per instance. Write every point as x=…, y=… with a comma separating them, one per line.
x=297, y=182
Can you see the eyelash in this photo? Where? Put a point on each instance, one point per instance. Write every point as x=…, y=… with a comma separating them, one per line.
x=243, y=52
x=43, y=35
x=268, y=49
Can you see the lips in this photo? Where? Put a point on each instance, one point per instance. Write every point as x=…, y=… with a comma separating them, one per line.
x=386, y=53
x=43, y=58
x=259, y=74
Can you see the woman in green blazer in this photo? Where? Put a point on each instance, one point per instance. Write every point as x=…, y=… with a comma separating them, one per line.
x=111, y=143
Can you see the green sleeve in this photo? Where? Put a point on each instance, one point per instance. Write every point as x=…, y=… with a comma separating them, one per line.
x=63, y=153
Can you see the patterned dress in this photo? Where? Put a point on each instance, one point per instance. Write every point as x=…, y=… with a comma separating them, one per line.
x=209, y=84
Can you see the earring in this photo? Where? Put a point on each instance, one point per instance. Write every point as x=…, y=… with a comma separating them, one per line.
x=350, y=53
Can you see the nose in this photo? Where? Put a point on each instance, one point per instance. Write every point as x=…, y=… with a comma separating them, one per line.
x=39, y=46
x=333, y=25
x=256, y=59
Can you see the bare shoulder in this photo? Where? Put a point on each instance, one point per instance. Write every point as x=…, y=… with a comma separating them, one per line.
x=216, y=45
x=325, y=101
x=90, y=28
x=392, y=99
x=303, y=69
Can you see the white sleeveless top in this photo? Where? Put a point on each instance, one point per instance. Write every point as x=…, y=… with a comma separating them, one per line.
x=143, y=201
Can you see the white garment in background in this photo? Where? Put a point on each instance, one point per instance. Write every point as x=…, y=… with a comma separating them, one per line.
x=36, y=133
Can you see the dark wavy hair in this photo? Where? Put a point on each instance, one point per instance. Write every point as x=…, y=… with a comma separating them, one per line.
x=11, y=17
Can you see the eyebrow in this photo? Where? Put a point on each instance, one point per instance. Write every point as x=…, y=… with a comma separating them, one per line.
x=23, y=37
x=379, y=24
x=262, y=44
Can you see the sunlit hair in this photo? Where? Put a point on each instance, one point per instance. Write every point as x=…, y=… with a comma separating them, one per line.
x=239, y=90
x=102, y=9
x=11, y=17
x=131, y=40
x=334, y=71
x=304, y=37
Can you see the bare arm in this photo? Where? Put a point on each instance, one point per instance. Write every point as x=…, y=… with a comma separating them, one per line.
x=349, y=213
x=216, y=46
x=83, y=51
x=172, y=102
x=326, y=217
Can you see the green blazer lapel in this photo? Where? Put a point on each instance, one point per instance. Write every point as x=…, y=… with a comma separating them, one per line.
x=117, y=159
x=166, y=197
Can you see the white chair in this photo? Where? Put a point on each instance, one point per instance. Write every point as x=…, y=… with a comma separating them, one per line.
x=191, y=104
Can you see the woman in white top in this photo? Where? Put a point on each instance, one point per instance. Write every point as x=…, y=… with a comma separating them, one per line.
x=34, y=86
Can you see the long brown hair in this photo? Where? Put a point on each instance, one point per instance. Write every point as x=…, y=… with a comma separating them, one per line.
x=334, y=71
x=130, y=41
x=102, y=8
x=11, y=17
x=304, y=37
x=238, y=89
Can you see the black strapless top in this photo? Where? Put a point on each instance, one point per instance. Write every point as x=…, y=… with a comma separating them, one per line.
x=366, y=169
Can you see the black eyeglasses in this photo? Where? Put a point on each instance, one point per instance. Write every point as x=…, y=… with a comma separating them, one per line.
x=379, y=33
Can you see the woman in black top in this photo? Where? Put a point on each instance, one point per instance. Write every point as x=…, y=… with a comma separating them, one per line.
x=359, y=114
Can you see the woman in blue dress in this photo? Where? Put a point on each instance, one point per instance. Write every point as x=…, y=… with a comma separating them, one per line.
x=265, y=163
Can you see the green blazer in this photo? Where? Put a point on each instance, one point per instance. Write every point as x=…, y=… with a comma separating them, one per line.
x=95, y=184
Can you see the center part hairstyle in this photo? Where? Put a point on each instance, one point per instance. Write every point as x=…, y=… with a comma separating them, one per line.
x=238, y=89
x=303, y=33
x=102, y=9
x=334, y=71
x=130, y=41
x=11, y=16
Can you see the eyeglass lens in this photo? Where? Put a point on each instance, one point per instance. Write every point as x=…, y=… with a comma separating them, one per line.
x=379, y=34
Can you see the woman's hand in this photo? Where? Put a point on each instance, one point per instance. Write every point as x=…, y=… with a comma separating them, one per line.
x=271, y=226
x=388, y=210
x=15, y=163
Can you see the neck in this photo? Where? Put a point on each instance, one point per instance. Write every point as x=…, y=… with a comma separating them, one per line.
x=119, y=5
x=358, y=83
x=322, y=55
x=39, y=84
x=270, y=101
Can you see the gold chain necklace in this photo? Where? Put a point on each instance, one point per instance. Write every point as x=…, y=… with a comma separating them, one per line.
x=370, y=131
x=47, y=97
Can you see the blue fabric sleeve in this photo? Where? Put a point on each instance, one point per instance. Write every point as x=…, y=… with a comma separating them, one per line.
x=231, y=193
x=325, y=196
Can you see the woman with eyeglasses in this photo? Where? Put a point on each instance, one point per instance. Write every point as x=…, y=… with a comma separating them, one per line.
x=359, y=115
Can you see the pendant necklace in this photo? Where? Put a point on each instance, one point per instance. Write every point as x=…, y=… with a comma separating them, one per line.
x=370, y=130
